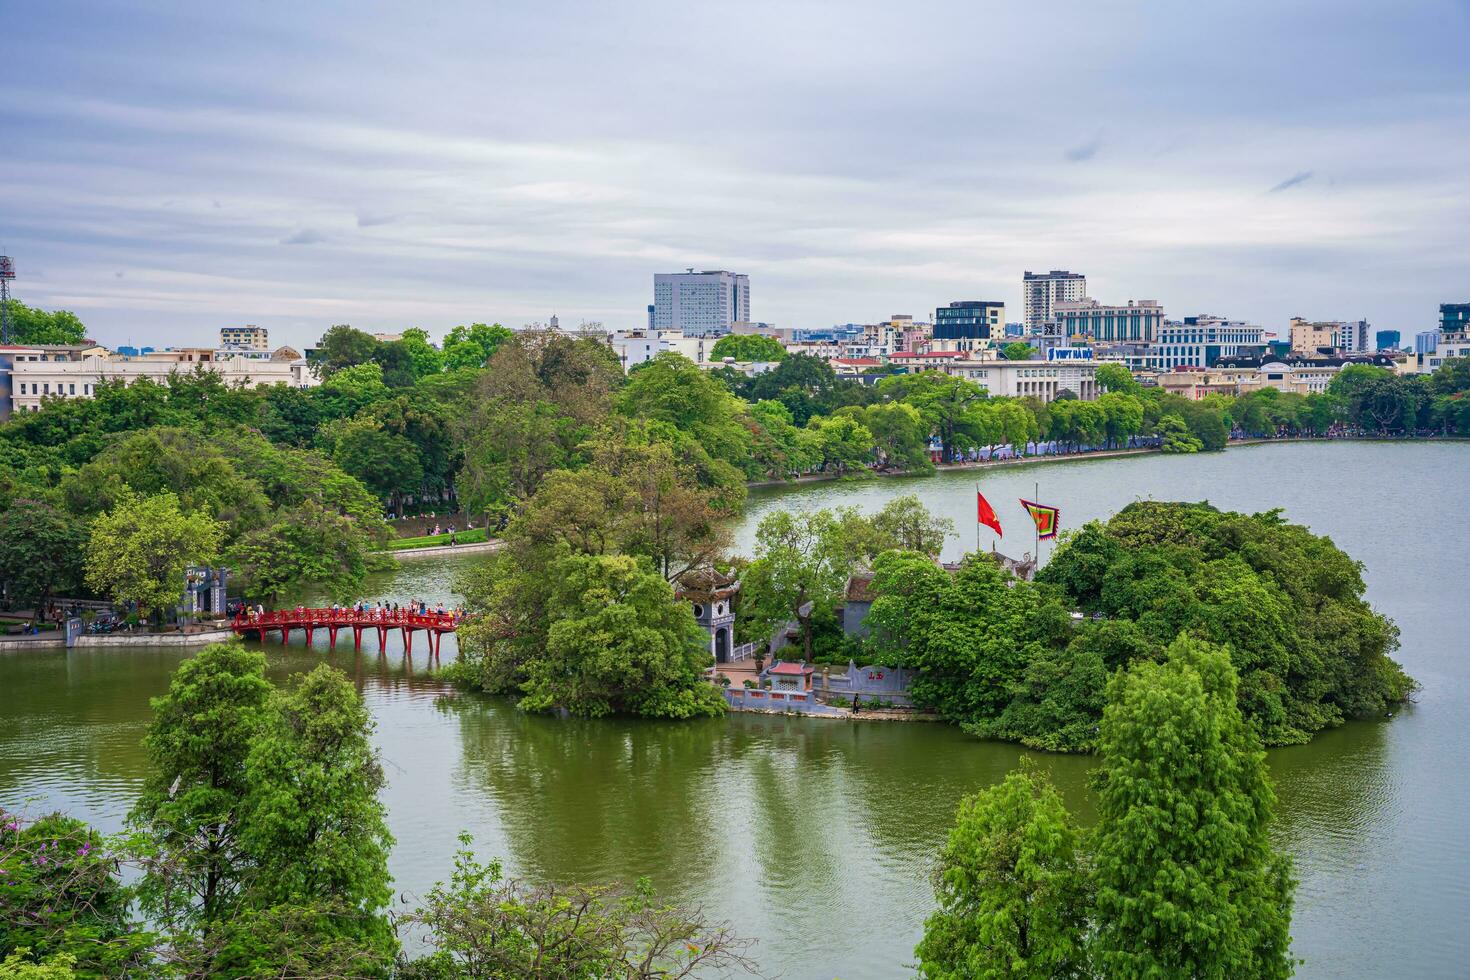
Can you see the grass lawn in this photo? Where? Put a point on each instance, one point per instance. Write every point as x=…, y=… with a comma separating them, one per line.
x=428, y=541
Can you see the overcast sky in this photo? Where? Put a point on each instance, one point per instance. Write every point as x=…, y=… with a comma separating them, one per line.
x=171, y=168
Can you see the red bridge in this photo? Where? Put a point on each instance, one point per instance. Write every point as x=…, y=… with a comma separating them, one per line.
x=433, y=623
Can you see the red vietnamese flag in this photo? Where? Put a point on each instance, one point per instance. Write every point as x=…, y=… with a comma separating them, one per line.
x=985, y=515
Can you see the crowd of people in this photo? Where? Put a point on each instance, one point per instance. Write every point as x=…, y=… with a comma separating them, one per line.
x=377, y=610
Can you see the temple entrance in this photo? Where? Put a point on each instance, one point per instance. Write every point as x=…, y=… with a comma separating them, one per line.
x=722, y=646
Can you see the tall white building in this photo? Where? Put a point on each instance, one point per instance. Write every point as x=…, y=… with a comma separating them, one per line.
x=700, y=304
x=1040, y=290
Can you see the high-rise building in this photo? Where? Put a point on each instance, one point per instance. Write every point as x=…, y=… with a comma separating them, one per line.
x=1454, y=317
x=1042, y=290
x=701, y=304
x=1426, y=341
x=968, y=325
x=1138, y=322
x=1387, y=340
x=249, y=337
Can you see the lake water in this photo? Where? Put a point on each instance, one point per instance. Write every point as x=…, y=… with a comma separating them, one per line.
x=815, y=836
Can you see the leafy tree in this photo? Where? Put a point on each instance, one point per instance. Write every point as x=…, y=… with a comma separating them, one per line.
x=482, y=924
x=619, y=643
x=801, y=564
x=314, y=827
x=344, y=347
x=905, y=523
x=385, y=462
x=350, y=389
x=20, y=966
x=1018, y=351
x=192, y=805
x=167, y=460
x=1116, y=377
x=63, y=907
x=1176, y=436
x=900, y=436
x=970, y=635
x=1187, y=882
x=1012, y=890
x=671, y=388
x=844, y=442
x=426, y=359
x=33, y=325
x=781, y=448
x=806, y=385
x=307, y=545
x=288, y=415
x=747, y=347
x=139, y=550
x=40, y=553
x=472, y=346
x=947, y=404
x=1123, y=417
x=1287, y=603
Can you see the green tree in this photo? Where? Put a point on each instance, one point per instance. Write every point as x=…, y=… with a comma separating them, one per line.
x=40, y=553
x=747, y=347
x=139, y=550
x=1012, y=890
x=483, y=925
x=307, y=545
x=1187, y=882
x=969, y=635
x=343, y=347
x=1176, y=436
x=427, y=360
x=314, y=827
x=385, y=462
x=899, y=435
x=472, y=346
x=350, y=389
x=1018, y=351
x=1116, y=377
x=905, y=523
x=844, y=442
x=33, y=325
x=801, y=565
x=62, y=902
x=619, y=643
x=192, y=804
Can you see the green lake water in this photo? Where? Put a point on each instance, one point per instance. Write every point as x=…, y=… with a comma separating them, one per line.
x=816, y=837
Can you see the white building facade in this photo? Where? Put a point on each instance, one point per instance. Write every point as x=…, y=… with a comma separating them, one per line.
x=1041, y=291
x=700, y=304
x=32, y=381
x=1200, y=341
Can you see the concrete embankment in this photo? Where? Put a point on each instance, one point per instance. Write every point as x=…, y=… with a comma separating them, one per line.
x=447, y=549
x=113, y=641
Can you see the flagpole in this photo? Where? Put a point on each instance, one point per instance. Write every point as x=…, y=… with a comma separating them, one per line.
x=1036, y=495
x=977, y=517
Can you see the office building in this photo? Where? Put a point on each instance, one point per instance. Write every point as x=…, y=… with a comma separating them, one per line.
x=1425, y=341
x=1200, y=341
x=1454, y=317
x=1387, y=340
x=1041, y=291
x=968, y=325
x=248, y=337
x=1137, y=322
x=700, y=304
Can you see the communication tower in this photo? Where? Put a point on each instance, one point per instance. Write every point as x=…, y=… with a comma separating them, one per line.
x=7, y=273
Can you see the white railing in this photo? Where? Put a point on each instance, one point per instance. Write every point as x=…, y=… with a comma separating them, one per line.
x=742, y=652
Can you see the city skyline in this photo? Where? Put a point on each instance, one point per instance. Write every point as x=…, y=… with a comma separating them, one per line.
x=170, y=172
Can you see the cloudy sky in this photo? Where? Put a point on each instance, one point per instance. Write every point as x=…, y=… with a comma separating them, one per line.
x=170, y=168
